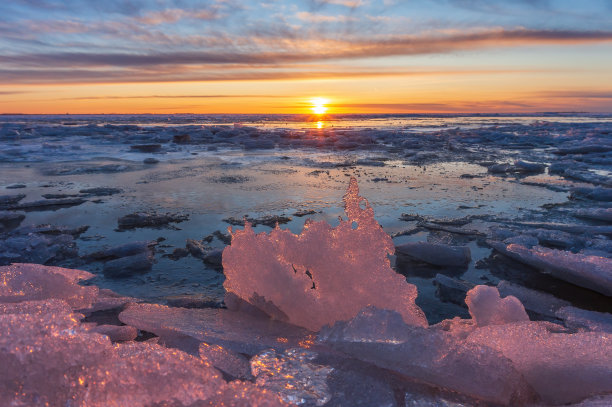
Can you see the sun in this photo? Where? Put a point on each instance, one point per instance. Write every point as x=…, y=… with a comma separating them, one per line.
x=318, y=105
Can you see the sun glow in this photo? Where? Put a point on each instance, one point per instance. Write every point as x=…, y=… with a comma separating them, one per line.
x=318, y=105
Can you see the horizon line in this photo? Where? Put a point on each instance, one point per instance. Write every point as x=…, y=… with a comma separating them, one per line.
x=309, y=114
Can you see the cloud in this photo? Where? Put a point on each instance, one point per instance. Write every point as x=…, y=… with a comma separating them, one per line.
x=165, y=74
x=578, y=94
x=170, y=16
x=454, y=107
x=278, y=48
x=112, y=97
x=299, y=50
x=345, y=3
x=322, y=18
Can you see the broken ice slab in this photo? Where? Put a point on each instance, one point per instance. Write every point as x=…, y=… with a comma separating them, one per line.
x=9, y=200
x=561, y=367
x=428, y=355
x=595, y=194
x=27, y=282
x=129, y=265
x=488, y=308
x=537, y=302
x=418, y=400
x=108, y=300
x=598, y=214
x=22, y=246
x=10, y=220
x=127, y=249
x=47, y=358
x=597, y=401
x=231, y=363
x=143, y=219
x=588, y=230
x=47, y=204
x=53, y=307
x=100, y=191
x=519, y=167
x=450, y=229
x=592, y=272
x=292, y=375
x=236, y=331
x=298, y=277
x=117, y=332
x=451, y=289
x=576, y=318
x=435, y=254
x=241, y=394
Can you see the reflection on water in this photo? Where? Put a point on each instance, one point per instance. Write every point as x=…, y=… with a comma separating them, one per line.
x=407, y=122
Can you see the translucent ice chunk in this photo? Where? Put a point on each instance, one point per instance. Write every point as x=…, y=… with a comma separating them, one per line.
x=117, y=333
x=292, y=375
x=138, y=374
x=49, y=358
x=537, y=302
x=592, y=272
x=26, y=282
x=243, y=394
x=224, y=359
x=488, y=308
x=577, y=318
x=561, y=367
x=324, y=274
x=236, y=331
x=429, y=355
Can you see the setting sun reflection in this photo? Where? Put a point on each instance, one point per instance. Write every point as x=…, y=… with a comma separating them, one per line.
x=318, y=105
x=320, y=124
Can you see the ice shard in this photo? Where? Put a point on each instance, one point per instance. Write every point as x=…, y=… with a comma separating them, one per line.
x=324, y=274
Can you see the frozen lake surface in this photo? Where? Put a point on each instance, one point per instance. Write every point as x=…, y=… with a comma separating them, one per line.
x=143, y=202
x=480, y=173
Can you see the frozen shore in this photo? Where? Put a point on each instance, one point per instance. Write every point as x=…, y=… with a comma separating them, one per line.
x=520, y=205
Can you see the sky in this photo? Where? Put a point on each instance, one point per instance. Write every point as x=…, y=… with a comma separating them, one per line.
x=359, y=56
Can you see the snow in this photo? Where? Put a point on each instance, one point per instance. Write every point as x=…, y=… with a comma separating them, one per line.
x=297, y=278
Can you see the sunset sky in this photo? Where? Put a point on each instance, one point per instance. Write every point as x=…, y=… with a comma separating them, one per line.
x=362, y=56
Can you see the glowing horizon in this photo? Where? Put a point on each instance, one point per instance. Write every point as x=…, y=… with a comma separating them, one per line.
x=224, y=56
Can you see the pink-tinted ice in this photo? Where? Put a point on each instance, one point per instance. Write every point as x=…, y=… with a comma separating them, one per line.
x=488, y=308
x=324, y=274
x=27, y=282
x=592, y=272
x=49, y=358
x=561, y=367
